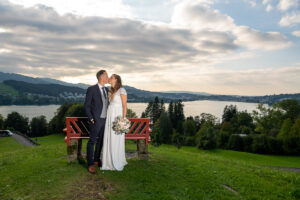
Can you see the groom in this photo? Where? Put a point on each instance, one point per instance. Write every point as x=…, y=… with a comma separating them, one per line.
x=95, y=105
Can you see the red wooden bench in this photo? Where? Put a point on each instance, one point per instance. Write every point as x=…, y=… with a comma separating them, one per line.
x=77, y=128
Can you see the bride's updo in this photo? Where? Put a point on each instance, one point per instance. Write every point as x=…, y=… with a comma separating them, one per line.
x=116, y=87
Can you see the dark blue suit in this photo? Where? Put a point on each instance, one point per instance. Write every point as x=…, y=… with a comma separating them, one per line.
x=93, y=106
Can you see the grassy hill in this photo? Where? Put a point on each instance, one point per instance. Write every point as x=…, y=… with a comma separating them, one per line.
x=42, y=173
x=7, y=90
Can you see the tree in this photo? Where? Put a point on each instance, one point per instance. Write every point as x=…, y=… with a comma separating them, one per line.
x=171, y=113
x=58, y=122
x=267, y=120
x=285, y=129
x=229, y=112
x=178, y=112
x=131, y=113
x=17, y=122
x=75, y=110
x=206, y=136
x=166, y=128
x=1, y=122
x=295, y=129
x=154, y=110
x=290, y=107
x=156, y=135
x=189, y=128
x=38, y=126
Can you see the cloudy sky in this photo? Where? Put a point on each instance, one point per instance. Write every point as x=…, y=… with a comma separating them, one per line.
x=244, y=47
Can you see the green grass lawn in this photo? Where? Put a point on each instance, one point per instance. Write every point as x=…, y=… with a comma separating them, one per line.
x=42, y=172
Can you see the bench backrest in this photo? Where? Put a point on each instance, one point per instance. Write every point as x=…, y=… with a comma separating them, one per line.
x=78, y=128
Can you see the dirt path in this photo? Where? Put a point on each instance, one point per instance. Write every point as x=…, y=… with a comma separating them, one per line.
x=22, y=140
x=291, y=169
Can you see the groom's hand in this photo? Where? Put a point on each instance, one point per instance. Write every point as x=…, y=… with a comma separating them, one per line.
x=92, y=121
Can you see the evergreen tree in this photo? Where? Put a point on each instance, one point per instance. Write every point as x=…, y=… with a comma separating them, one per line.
x=38, y=126
x=228, y=113
x=171, y=114
x=166, y=128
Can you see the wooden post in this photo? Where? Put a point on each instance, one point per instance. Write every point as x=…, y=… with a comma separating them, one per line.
x=142, y=150
x=74, y=151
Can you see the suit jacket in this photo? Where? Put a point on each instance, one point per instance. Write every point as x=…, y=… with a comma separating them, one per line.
x=93, y=104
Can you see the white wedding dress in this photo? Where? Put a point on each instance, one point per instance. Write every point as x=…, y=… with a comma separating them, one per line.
x=113, y=156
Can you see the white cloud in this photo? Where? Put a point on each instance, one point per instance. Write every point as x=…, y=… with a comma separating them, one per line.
x=296, y=33
x=107, y=8
x=269, y=8
x=291, y=19
x=198, y=17
x=285, y=5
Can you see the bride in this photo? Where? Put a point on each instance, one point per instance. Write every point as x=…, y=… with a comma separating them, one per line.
x=113, y=157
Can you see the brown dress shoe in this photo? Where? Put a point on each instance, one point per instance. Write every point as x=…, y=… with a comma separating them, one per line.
x=92, y=169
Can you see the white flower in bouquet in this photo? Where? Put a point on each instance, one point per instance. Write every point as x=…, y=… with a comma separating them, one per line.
x=121, y=125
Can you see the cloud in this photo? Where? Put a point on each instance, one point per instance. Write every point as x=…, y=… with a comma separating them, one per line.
x=296, y=33
x=269, y=8
x=291, y=19
x=111, y=8
x=40, y=41
x=194, y=16
x=285, y=5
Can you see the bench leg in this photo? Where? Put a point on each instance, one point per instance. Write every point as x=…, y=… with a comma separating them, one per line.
x=142, y=150
x=74, y=151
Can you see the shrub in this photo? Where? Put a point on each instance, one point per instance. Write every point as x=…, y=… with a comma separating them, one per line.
x=177, y=139
x=247, y=142
x=235, y=142
x=274, y=145
x=291, y=145
x=206, y=136
x=222, y=139
x=189, y=141
x=260, y=144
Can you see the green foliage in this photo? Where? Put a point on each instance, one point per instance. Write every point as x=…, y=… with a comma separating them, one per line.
x=235, y=142
x=17, y=122
x=260, y=144
x=189, y=128
x=131, y=113
x=291, y=145
x=154, y=110
x=177, y=139
x=295, y=129
x=290, y=107
x=58, y=122
x=268, y=120
x=38, y=127
x=206, y=136
x=285, y=128
x=189, y=141
x=222, y=140
x=229, y=112
x=75, y=110
x=7, y=90
x=247, y=143
x=1, y=122
x=156, y=135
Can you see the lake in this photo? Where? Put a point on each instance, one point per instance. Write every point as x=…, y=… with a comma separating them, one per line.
x=191, y=108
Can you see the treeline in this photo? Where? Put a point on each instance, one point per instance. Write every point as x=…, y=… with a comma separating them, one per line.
x=38, y=126
x=269, y=130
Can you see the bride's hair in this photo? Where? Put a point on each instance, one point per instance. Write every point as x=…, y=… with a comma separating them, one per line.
x=117, y=86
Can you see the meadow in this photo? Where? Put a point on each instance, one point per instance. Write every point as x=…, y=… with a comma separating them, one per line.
x=42, y=172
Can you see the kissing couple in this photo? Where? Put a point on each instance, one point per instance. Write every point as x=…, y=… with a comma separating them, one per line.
x=102, y=106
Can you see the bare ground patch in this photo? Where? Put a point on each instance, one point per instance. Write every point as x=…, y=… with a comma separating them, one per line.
x=90, y=187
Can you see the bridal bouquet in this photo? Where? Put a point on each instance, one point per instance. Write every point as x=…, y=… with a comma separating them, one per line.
x=121, y=125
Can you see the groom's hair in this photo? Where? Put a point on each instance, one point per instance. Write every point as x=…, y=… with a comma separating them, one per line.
x=100, y=73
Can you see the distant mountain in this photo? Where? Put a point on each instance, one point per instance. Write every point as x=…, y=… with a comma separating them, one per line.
x=23, y=90
x=188, y=92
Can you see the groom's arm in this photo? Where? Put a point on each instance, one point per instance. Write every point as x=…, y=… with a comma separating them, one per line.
x=87, y=104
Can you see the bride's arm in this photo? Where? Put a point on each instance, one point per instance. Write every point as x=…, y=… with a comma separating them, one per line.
x=124, y=104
